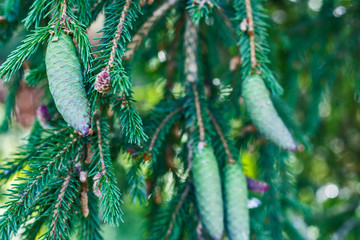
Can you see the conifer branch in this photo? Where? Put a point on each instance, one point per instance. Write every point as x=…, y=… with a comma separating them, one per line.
x=228, y=24
x=251, y=22
x=222, y=138
x=47, y=168
x=176, y=211
x=118, y=33
x=59, y=202
x=145, y=29
x=103, y=167
x=191, y=43
x=158, y=129
x=251, y=32
x=63, y=7
x=191, y=70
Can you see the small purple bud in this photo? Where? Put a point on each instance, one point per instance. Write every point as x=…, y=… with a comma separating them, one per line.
x=256, y=186
x=43, y=115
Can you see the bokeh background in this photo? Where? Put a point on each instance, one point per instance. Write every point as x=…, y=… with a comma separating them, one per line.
x=315, y=52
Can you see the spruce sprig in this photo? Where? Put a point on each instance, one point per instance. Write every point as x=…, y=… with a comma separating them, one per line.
x=102, y=173
x=251, y=24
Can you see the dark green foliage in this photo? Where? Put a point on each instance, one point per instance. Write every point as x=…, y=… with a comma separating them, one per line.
x=10, y=102
x=23, y=52
x=66, y=83
x=102, y=172
x=171, y=218
x=205, y=172
x=263, y=114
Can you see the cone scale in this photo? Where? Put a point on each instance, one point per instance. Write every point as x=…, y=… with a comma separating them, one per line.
x=263, y=114
x=66, y=83
x=208, y=191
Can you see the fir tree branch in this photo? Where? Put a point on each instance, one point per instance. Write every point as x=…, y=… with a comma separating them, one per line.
x=198, y=113
x=251, y=32
x=158, y=129
x=105, y=185
x=46, y=169
x=145, y=29
x=63, y=7
x=250, y=17
x=191, y=70
x=100, y=143
x=90, y=225
x=22, y=197
x=176, y=211
x=200, y=8
x=191, y=43
x=28, y=47
x=222, y=138
x=228, y=24
x=119, y=30
x=56, y=223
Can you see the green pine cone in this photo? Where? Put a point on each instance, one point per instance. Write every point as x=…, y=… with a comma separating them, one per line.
x=208, y=191
x=236, y=198
x=263, y=114
x=66, y=83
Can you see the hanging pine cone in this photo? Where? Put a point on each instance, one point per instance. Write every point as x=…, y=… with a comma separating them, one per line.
x=208, y=191
x=263, y=114
x=66, y=83
x=102, y=81
x=236, y=197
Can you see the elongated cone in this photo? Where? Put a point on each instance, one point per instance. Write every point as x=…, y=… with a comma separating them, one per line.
x=236, y=199
x=208, y=191
x=263, y=114
x=66, y=83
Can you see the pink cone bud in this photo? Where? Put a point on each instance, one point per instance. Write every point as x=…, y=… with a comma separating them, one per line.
x=43, y=115
x=256, y=186
x=102, y=81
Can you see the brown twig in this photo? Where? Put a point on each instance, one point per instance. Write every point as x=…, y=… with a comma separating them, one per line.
x=191, y=42
x=198, y=113
x=63, y=10
x=191, y=69
x=250, y=21
x=59, y=201
x=250, y=128
x=101, y=153
x=222, y=138
x=146, y=28
x=177, y=208
x=118, y=33
x=161, y=125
